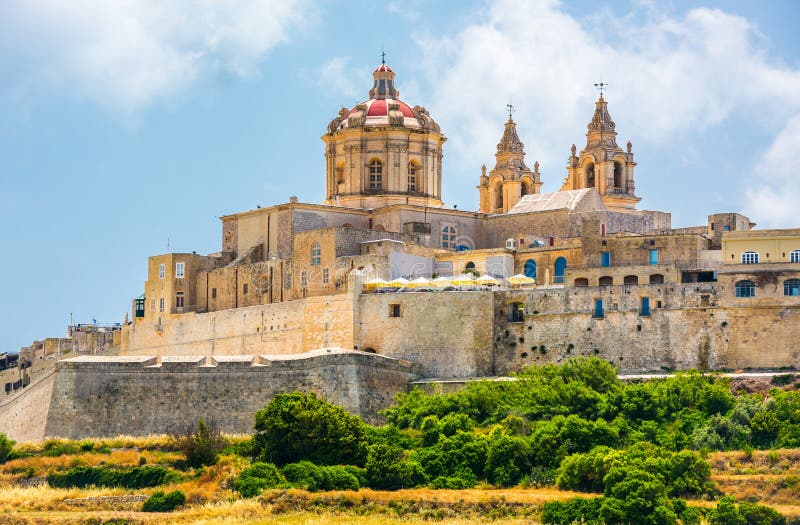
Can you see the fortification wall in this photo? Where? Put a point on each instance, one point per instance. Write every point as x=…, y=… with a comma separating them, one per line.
x=23, y=416
x=449, y=334
x=279, y=328
x=107, y=396
x=688, y=326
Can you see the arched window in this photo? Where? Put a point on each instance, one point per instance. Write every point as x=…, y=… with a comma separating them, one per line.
x=498, y=196
x=745, y=289
x=791, y=287
x=530, y=268
x=618, y=175
x=590, y=175
x=750, y=258
x=526, y=187
x=631, y=279
x=316, y=254
x=412, y=176
x=449, y=238
x=470, y=267
x=581, y=281
x=606, y=280
x=375, y=175
x=794, y=256
x=560, y=267
x=657, y=278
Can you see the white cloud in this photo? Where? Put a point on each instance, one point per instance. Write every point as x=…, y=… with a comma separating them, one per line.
x=775, y=184
x=672, y=78
x=126, y=54
x=340, y=76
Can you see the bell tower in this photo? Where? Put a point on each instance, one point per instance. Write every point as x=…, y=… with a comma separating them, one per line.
x=602, y=164
x=510, y=179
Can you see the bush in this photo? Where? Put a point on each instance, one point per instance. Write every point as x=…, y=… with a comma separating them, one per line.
x=200, y=444
x=159, y=502
x=253, y=480
x=298, y=426
x=306, y=475
x=755, y=514
x=386, y=469
x=135, y=478
x=575, y=510
x=6, y=448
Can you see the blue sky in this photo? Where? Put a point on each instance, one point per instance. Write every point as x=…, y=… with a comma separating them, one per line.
x=128, y=126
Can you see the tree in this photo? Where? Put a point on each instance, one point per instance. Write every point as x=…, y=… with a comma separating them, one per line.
x=299, y=426
x=6, y=447
x=387, y=469
x=201, y=444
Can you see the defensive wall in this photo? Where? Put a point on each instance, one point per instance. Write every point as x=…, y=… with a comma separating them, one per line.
x=23, y=416
x=108, y=396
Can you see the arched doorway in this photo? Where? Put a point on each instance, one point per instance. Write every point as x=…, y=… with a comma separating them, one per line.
x=560, y=267
x=530, y=268
x=590, y=175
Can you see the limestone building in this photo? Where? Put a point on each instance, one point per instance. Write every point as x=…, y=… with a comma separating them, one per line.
x=611, y=279
x=294, y=301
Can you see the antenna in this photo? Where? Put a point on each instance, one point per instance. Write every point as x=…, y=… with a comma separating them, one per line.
x=601, y=85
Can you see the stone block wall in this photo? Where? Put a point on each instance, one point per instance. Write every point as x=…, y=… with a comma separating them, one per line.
x=101, y=397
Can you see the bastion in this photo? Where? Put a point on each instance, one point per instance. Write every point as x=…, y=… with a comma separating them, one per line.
x=141, y=395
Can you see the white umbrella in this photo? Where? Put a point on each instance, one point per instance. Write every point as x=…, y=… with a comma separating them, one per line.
x=487, y=280
x=400, y=282
x=440, y=282
x=419, y=282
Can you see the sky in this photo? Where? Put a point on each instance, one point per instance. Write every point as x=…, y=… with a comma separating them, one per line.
x=127, y=128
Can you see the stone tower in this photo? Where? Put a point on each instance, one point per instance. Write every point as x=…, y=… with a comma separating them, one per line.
x=510, y=179
x=383, y=152
x=602, y=164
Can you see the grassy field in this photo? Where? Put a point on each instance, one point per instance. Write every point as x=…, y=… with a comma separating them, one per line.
x=768, y=477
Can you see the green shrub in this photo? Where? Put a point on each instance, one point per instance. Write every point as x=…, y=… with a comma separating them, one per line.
x=57, y=447
x=387, y=469
x=200, y=444
x=160, y=502
x=755, y=514
x=253, y=480
x=6, y=448
x=726, y=513
x=299, y=426
x=134, y=478
x=575, y=510
x=309, y=476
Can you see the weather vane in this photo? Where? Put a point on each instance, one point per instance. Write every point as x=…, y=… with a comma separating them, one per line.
x=510, y=108
x=601, y=85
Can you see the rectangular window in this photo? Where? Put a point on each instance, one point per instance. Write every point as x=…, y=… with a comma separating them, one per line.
x=653, y=256
x=179, y=301
x=726, y=228
x=394, y=310
x=326, y=277
x=644, y=310
x=303, y=279
x=287, y=281
x=605, y=259
x=161, y=305
x=152, y=305
x=162, y=270
x=213, y=293
x=245, y=288
x=180, y=270
x=598, y=308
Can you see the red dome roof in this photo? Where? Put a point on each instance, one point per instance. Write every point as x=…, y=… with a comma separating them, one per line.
x=383, y=67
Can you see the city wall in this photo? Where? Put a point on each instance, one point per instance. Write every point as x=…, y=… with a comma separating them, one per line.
x=23, y=415
x=280, y=328
x=108, y=396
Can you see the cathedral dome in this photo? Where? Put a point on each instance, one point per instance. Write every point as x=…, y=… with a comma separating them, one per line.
x=383, y=108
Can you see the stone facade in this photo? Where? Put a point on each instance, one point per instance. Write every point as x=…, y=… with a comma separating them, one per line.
x=100, y=397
